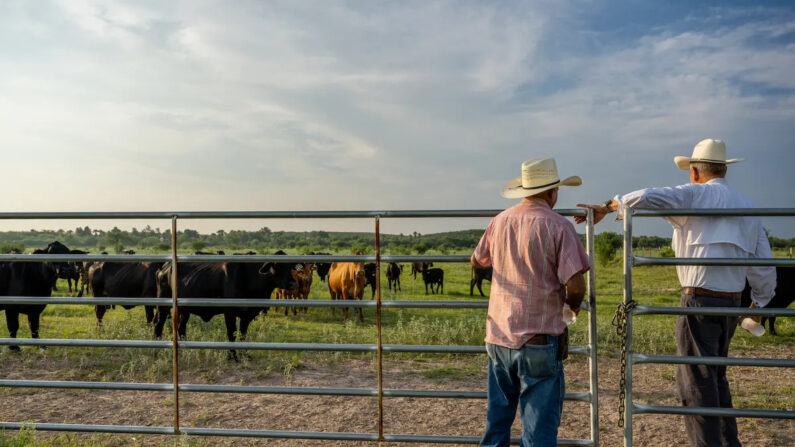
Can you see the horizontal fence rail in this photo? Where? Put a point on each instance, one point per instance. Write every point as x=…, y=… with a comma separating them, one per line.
x=636, y=310
x=245, y=389
x=175, y=344
x=284, y=434
x=268, y=214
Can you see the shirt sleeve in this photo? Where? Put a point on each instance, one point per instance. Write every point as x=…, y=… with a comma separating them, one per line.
x=572, y=258
x=482, y=252
x=762, y=279
x=656, y=198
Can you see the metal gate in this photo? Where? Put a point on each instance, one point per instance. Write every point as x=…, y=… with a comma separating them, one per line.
x=632, y=358
x=176, y=387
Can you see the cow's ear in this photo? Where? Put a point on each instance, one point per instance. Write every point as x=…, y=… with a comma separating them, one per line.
x=268, y=269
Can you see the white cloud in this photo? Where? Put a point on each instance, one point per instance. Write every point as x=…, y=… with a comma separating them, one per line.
x=385, y=105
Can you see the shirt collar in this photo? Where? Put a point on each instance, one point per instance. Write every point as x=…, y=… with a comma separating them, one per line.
x=536, y=203
x=717, y=180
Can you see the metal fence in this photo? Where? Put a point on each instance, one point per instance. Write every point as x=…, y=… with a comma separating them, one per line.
x=176, y=387
x=630, y=309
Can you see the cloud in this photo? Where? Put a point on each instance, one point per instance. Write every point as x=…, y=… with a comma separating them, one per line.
x=333, y=105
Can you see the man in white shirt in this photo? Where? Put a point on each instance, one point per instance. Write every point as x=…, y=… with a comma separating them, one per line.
x=706, y=286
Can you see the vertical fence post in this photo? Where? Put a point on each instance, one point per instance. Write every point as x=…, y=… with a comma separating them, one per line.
x=592, y=337
x=628, y=347
x=175, y=320
x=379, y=353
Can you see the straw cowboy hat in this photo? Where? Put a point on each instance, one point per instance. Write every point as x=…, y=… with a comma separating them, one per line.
x=707, y=151
x=538, y=175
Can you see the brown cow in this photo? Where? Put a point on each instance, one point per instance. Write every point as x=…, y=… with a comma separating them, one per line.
x=346, y=281
x=418, y=267
x=303, y=279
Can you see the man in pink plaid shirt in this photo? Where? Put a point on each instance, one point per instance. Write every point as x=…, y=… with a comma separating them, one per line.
x=538, y=263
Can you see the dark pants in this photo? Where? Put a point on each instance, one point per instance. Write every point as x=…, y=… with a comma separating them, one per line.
x=703, y=385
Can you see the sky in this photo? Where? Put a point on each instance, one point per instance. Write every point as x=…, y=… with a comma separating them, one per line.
x=328, y=105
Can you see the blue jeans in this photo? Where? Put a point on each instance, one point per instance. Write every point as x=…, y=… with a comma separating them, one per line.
x=532, y=379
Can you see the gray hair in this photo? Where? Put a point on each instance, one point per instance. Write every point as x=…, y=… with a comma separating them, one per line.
x=716, y=169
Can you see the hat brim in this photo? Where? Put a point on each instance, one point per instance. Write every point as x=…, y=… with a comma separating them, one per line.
x=683, y=163
x=514, y=189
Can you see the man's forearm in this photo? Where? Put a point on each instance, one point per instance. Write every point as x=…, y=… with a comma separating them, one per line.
x=574, y=300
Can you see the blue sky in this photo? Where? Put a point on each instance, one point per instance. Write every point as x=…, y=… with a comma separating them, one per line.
x=384, y=105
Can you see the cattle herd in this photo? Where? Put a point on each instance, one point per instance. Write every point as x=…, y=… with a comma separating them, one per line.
x=346, y=281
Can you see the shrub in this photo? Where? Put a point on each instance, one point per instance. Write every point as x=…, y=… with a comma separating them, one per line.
x=606, y=244
x=667, y=252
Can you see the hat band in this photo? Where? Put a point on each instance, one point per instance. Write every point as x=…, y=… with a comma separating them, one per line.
x=706, y=160
x=542, y=186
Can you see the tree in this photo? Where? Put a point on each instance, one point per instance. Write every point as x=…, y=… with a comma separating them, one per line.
x=420, y=248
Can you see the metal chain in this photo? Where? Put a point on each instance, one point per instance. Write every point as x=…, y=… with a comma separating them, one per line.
x=620, y=322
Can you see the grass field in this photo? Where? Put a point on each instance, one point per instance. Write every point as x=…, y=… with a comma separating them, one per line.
x=653, y=334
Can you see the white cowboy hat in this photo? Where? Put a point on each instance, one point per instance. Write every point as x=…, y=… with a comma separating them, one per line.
x=708, y=151
x=538, y=175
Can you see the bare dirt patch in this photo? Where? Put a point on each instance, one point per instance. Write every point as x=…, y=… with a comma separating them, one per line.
x=655, y=384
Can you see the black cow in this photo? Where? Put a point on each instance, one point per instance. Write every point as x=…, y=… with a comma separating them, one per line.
x=222, y=280
x=71, y=270
x=369, y=276
x=433, y=277
x=27, y=279
x=322, y=267
x=478, y=275
x=393, y=272
x=219, y=252
x=785, y=295
x=418, y=267
x=124, y=280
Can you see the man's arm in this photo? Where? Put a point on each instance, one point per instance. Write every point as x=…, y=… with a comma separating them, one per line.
x=473, y=260
x=655, y=198
x=575, y=292
x=762, y=279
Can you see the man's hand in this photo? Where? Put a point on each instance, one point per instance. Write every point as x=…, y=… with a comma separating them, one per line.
x=599, y=211
x=757, y=318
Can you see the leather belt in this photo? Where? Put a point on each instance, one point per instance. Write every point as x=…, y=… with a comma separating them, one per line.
x=539, y=339
x=711, y=293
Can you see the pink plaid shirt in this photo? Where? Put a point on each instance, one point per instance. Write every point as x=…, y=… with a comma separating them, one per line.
x=534, y=252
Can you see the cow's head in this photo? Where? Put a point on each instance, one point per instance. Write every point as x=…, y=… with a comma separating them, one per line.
x=280, y=272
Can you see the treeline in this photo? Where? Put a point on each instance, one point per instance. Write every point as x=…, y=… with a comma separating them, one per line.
x=265, y=240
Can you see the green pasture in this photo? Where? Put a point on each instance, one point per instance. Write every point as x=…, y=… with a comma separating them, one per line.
x=656, y=285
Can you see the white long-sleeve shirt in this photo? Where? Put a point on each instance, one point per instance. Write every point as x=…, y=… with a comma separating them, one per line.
x=712, y=237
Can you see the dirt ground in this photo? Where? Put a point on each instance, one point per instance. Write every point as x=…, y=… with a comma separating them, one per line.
x=655, y=384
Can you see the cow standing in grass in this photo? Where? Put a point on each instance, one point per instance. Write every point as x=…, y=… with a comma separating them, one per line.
x=322, y=267
x=346, y=281
x=393, y=272
x=124, y=280
x=433, y=277
x=478, y=275
x=28, y=279
x=232, y=280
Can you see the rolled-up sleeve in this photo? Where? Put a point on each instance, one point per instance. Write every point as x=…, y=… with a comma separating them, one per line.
x=762, y=279
x=572, y=258
x=482, y=252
